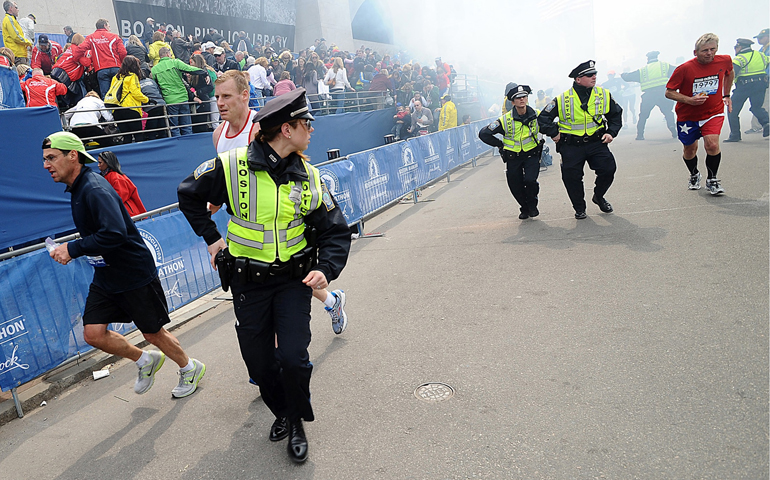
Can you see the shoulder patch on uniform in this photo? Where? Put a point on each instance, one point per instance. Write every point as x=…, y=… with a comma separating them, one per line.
x=494, y=125
x=549, y=107
x=327, y=198
x=204, y=168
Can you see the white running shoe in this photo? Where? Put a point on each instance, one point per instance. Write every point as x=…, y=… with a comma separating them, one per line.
x=694, y=183
x=147, y=372
x=713, y=186
x=188, y=381
x=337, y=312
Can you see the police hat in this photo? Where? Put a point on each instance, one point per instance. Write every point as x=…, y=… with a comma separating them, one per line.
x=762, y=33
x=744, y=42
x=284, y=108
x=653, y=54
x=519, y=91
x=585, y=68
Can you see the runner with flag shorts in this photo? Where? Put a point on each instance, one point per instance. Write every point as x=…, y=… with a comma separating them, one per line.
x=701, y=89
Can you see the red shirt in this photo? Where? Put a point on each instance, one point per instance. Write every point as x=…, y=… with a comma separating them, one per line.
x=127, y=191
x=691, y=78
x=107, y=49
x=46, y=60
x=41, y=91
x=73, y=68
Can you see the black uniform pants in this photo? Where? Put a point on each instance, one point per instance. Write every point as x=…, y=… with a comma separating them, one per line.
x=755, y=93
x=521, y=173
x=650, y=100
x=573, y=160
x=281, y=306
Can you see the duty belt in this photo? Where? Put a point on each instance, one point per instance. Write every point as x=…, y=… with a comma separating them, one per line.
x=581, y=139
x=249, y=270
x=751, y=79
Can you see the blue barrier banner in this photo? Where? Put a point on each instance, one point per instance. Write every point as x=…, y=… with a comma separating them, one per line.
x=338, y=178
x=429, y=156
x=449, y=151
x=481, y=147
x=41, y=302
x=10, y=89
x=466, y=145
x=376, y=178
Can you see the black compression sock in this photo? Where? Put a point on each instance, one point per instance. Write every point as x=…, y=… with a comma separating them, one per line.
x=712, y=164
x=692, y=164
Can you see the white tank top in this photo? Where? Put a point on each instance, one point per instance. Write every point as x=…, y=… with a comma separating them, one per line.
x=225, y=143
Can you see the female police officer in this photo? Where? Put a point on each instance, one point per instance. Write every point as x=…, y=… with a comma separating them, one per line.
x=520, y=149
x=286, y=236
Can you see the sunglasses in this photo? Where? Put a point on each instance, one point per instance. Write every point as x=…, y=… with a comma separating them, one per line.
x=589, y=75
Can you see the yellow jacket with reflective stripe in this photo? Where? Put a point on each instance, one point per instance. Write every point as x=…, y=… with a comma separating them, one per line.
x=518, y=136
x=13, y=36
x=268, y=219
x=574, y=120
x=751, y=63
x=653, y=74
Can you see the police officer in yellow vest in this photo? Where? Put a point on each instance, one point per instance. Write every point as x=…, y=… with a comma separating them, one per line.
x=653, y=78
x=750, y=84
x=588, y=120
x=520, y=149
x=286, y=236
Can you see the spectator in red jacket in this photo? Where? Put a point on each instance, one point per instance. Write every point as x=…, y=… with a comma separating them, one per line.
x=107, y=53
x=45, y=53
x=69, y=71
x=109, y=166
x=381, y=82
x=41, y=90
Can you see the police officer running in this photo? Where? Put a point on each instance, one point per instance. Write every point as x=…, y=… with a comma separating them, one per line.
x=653, y=78
x=588, y=120
x=519, y=149
x=286, y=237
x=750, y=84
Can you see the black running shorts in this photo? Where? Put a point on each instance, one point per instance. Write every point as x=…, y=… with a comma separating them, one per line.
x=145, y=306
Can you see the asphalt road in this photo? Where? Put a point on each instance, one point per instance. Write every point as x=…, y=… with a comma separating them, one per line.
x=623, y=346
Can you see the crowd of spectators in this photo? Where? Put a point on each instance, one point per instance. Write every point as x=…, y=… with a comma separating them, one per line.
x=163, y=69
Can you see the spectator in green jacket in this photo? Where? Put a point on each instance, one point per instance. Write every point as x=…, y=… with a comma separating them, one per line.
x=167, y=74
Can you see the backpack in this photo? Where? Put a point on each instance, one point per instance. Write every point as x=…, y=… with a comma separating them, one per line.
x=114, y=96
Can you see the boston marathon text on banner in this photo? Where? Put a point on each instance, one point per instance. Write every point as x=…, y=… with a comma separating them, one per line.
x=263, y=21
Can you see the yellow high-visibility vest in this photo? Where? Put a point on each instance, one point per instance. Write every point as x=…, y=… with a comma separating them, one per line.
x=518, y=136
x=574, y=120
x=268, y=219
x=654, y=74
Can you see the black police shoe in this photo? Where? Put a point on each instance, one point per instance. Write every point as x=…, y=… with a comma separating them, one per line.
x=297, y=445
x=279, y=430
x=523, y=216
x=604, y=205
x=581, y=215
x=534, y=212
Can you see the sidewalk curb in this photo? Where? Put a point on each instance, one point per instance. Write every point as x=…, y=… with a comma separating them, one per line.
x=59, y=379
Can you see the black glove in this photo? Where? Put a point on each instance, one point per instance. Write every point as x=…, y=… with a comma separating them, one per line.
x=502, y=153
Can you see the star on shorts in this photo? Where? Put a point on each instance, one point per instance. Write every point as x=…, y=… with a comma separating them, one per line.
x=685, y=129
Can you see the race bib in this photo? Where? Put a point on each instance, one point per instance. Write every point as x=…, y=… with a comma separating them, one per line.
x=705, y=86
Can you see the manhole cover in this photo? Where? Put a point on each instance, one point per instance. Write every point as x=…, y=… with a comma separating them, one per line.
x=434, y=392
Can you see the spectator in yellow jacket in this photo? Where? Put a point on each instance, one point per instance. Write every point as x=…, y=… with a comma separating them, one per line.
x=126, y=92
x=156, y=45
x=13, y=35
x=448, y=116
